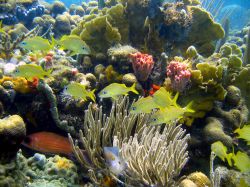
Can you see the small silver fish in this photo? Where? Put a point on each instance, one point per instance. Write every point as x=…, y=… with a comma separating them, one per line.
x=113, y=160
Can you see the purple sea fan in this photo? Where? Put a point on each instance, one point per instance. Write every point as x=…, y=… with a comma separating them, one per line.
x=179, y=75
x=142, y=65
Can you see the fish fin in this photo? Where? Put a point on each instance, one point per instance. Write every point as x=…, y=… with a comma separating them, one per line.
x=132, y=89
x=73, y=53
x=48, y=73
x=115, y=98
x=175, y=98
x=53, y=42
x=30, y=79
x=92, y=95
x=188, y=107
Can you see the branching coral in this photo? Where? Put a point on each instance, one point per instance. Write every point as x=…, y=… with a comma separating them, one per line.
x=155, y=156
x=98, y=130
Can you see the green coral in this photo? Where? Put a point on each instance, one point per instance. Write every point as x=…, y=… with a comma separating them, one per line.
x=203, y=31
x=242, y=81
x=101, y=31
x=206, y=88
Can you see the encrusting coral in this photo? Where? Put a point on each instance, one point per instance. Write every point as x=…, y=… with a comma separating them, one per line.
x=20, y=84
x=39, y=171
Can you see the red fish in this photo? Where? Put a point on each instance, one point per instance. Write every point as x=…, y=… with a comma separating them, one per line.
x=48, y=142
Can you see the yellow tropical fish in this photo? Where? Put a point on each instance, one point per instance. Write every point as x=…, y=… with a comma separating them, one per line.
x=37, y=43
x=244, y=133
x=241, y=161
x=164, y=99
x=30, y=71
x=169, y=114
x=79, y=91
x=75, y=44
x=143, y=105
x=115, y=90
x=220, y=150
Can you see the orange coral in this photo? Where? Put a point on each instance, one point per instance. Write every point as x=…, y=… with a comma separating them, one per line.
x=20, y=84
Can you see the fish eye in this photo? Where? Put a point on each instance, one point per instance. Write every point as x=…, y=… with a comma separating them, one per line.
x=17, y=71
x=66, y=88
x=154, y=119
x=23, y=43
x=133, y=108
x=104, y=92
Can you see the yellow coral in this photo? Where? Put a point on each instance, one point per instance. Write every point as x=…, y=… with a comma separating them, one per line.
x=62, y=162
x=20, y=84
x=112, y=75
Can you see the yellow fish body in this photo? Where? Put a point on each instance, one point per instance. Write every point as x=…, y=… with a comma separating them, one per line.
x=143, y=105
x=79, y=91
x=169, y=114
x=75, y=44
x=30, y=71
x=115, y=90
x=37, y=43
x=164, y=99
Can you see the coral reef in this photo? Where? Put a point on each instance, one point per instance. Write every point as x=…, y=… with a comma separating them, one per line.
x=58, y=7
x=142, y=65
x=179, y=75
x=8, y=45
x=116, y=130
x=101, y=31
x=19, y=84
x=155, y=157
x=147, y=45
x=12, y=133
x=39, y=171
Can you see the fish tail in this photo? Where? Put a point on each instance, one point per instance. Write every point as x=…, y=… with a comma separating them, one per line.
x=188, y=107
x=92, y=95
x=48, y=73
x=175, y=98
x=133, y=89
x=53, y=42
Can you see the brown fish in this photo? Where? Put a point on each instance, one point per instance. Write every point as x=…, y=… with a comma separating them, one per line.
x=48, y=142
